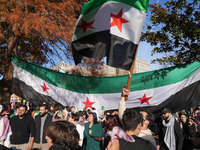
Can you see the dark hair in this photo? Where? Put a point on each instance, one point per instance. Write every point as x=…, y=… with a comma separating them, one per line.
x=57, y=107
x=62, y=131
x=72, y=107
x=85, y=113
x=4, y=108
x=80, y=113
x=45, y=106
x=131, y=119
x=17, y=105
x=150, y=117
x=21, y=105
x=94, y=117
x=112, y=122
x=65, y=146
x=46, y=103
x=195, y=109
x=67, y=108
x=2, y=147
x=75, y=116
x=180, y=114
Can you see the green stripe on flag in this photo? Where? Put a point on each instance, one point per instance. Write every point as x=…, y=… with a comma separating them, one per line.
x=93, y=4
x=98, y=85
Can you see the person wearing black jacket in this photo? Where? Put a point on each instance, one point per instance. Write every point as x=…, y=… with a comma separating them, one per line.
x=189, y=131
x=132, y=122
x=170, y=134
x=42, y=121
x=22, y=127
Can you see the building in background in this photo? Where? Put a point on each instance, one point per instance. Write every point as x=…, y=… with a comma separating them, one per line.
x=15, y=98
x=70, y=69
x=140, y=66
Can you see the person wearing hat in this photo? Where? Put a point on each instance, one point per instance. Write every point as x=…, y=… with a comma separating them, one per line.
x=170, y=134
x=5, y=129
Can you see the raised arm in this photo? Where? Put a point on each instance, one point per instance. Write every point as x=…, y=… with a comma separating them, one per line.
x=122, y=106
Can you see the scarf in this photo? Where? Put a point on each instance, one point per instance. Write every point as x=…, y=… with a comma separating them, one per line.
x=75, y=123
x=6, y=129
x=118, y=133
x=169, y=138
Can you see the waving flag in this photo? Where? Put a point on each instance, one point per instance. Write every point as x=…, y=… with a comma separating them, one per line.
x=109, y=28
x=176, y=87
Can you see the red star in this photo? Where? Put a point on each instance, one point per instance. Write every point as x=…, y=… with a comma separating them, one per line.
x=118, y=20
x=88, y=103
x=86, y=25
x=45, y=88
x=144, y=99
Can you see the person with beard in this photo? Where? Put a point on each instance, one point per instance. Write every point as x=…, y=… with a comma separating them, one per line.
x=42, y=121
x=170, y=134
x=22, y=126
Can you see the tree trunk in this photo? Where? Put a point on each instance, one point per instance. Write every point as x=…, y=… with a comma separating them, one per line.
x=6, y=82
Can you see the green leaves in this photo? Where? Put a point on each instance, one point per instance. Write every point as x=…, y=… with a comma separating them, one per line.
x=174, y=30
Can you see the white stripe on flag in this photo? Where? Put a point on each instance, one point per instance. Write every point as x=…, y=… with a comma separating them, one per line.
x=110, y=101
x=130, y=31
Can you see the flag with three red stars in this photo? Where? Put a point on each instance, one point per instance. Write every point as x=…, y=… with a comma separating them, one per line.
x=111, y=29
x=175, y=87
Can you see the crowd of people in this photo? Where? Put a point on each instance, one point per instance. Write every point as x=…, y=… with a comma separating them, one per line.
x=54, y=127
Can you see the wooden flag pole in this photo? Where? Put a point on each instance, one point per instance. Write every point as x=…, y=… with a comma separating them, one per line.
x=131, y=72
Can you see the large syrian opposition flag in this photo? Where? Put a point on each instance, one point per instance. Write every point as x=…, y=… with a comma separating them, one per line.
x=109, y=28
x=176, y=87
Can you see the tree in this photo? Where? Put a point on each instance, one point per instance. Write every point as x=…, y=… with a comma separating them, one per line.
x=34, y=30
x=175, y=31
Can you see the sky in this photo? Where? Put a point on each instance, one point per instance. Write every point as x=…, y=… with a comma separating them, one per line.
x=144, y=50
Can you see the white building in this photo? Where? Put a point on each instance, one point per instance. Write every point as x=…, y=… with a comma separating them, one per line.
x=140, y=66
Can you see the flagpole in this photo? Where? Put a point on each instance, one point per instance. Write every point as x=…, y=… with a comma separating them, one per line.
x=131, y=72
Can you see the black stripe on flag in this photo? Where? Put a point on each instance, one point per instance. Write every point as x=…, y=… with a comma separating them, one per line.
x=120, y=52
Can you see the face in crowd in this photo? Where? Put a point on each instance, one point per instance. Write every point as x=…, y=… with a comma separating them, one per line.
x=166, y=116
x=145, y=121
x=22, y=111
x=64, y=114
x=183, y=118
x=73, y=109
x=43, y=111
x=91, y=118
x=195, y=113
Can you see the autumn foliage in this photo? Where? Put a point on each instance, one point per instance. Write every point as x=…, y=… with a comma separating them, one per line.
x=35, y=30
